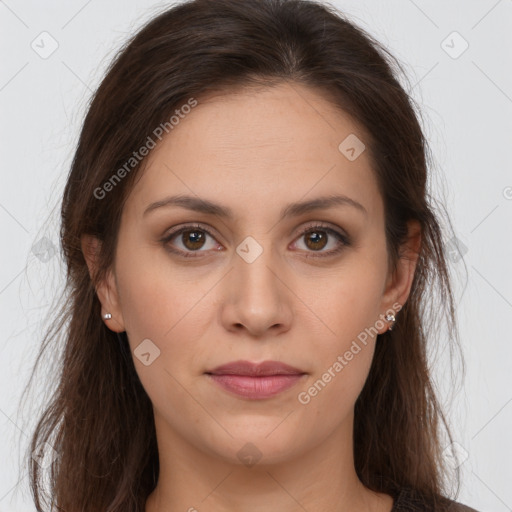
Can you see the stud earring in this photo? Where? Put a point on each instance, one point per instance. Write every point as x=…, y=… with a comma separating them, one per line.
x=390, y=318
x=107, y=316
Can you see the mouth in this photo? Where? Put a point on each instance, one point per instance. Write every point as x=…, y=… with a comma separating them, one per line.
x=256, y=381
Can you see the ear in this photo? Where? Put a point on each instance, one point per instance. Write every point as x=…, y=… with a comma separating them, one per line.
x=106, y=289
x=398, y=285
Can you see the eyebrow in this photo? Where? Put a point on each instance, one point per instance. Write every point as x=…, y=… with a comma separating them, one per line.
x=292, y=210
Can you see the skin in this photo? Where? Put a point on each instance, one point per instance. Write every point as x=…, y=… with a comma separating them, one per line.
x=255, y=151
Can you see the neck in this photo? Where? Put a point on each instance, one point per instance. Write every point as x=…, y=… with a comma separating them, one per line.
x=321, y=478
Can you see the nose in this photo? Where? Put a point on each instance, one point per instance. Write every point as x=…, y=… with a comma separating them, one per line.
x=257, y=297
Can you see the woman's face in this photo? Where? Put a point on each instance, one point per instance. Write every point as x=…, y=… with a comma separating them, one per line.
x=258, y=282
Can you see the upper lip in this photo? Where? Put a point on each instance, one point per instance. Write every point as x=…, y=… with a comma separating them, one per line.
x=255, y=369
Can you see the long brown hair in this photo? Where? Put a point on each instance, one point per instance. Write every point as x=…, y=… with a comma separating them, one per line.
x=100, y=419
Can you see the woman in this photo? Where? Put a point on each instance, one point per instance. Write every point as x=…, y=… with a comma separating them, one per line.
x=251, y=253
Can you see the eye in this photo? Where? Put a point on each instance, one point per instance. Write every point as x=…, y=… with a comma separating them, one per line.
x=195, y=237
x=192, y=239
x=319, y=236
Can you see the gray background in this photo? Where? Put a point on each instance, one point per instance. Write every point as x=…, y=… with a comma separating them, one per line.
x=466, y=100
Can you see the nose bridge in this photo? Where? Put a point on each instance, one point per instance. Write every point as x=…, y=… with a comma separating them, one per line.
x=255, y=268
x=258, y=300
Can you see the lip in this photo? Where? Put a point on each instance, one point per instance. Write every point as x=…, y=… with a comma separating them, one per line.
x=255, y=369
x=256, y=380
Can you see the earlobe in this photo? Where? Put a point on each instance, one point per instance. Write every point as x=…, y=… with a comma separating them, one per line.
x=106, y=288
x=400, y=283
x=109, y=298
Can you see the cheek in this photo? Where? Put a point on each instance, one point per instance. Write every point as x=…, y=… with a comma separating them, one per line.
x=348, y=307
x=341, y=363
x=166, y=312
x=148, y=306
x=163, y=305
x=151, y=299
x=348, y=303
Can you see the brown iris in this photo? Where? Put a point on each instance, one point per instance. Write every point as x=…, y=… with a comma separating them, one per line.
x=196, y=240
x=318, y=239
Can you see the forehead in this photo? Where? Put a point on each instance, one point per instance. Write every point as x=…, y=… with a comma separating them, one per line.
x=257, y=146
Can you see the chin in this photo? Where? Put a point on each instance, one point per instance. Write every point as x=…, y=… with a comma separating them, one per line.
x=261, y=445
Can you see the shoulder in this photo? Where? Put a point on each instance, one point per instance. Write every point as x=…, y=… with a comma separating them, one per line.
x=411, y=500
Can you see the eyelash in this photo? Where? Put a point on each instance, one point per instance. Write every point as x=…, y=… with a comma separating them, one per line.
x=344, y=239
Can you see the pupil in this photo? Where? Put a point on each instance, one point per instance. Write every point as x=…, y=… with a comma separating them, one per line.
x=195, y=238
x=319, y=238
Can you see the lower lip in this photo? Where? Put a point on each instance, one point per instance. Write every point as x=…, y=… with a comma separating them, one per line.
x=256, y=387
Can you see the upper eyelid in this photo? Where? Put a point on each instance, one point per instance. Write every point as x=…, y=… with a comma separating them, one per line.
x=175, y=231
x=299, y=232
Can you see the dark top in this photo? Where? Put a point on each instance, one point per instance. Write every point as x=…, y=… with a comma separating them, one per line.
x=409, y=500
